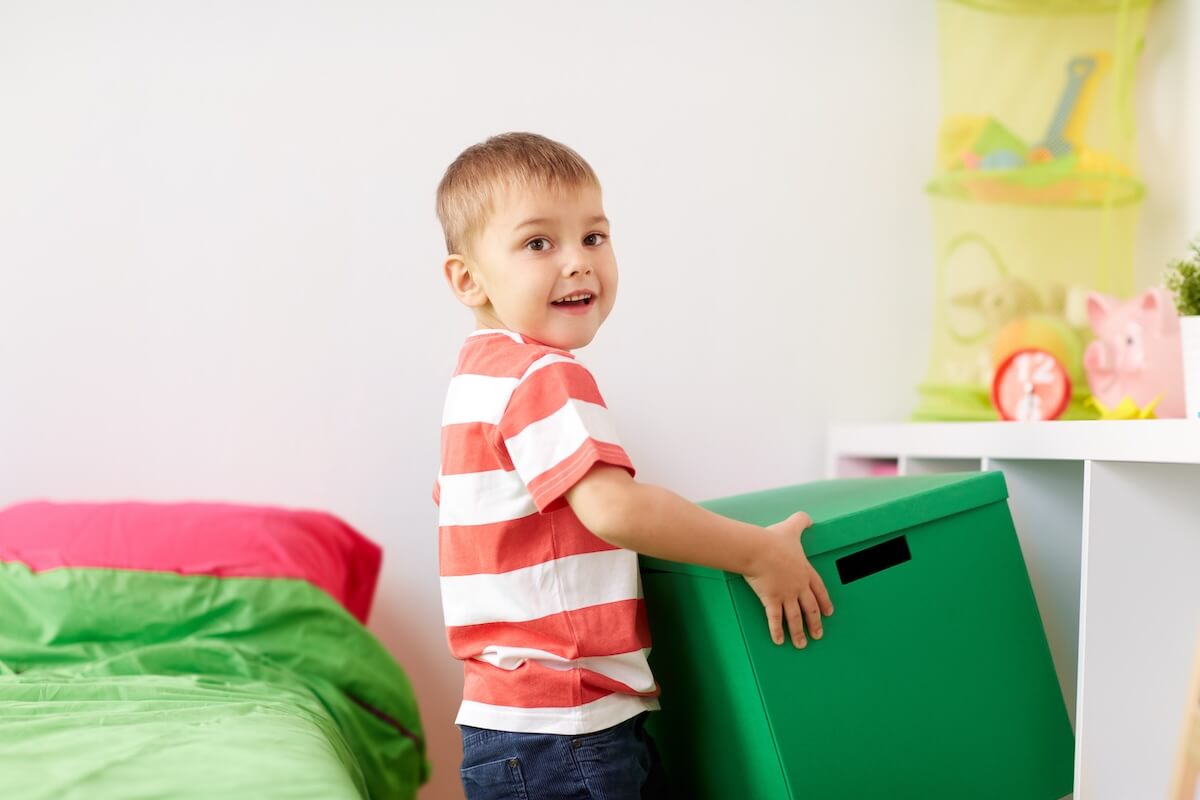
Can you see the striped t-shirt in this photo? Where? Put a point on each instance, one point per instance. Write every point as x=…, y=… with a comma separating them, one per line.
x=547, y=618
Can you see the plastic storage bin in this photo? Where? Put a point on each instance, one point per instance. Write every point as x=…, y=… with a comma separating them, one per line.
x=933, y=679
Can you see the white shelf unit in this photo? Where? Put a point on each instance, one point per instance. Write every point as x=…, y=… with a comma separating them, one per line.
x=1108, y=515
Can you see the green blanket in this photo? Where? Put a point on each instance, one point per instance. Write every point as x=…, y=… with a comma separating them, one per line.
x=128, y=684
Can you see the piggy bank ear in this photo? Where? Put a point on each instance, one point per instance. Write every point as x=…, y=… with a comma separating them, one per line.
x=1155, y=303
x=1098, y=307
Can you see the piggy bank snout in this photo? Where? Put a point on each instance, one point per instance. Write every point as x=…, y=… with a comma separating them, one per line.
x=1097, y=357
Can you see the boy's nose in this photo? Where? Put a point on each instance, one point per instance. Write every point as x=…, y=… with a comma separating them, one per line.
x=576, y=267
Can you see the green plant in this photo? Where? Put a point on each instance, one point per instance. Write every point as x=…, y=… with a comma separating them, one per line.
x=1183, y=281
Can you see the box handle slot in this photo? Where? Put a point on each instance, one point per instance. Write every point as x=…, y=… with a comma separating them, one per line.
x=876, y=558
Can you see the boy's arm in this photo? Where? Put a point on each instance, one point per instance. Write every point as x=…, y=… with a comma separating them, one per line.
x=657, y=522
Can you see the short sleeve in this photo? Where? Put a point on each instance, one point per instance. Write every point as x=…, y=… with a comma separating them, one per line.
x=556, y=427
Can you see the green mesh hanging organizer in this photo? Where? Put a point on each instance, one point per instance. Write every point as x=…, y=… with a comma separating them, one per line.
x=1035, y=197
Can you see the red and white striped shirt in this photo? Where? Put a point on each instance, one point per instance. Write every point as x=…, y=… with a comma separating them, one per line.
x=548, y=618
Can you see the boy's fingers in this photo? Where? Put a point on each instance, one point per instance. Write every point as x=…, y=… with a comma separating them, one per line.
x=818, y=587
x=775, y=622
x=795, y=623
x=812, y=613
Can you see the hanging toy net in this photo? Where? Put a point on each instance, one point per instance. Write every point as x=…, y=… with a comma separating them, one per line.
x=1035, y=198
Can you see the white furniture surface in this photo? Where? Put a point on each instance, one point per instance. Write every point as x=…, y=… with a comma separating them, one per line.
x=1108, y=515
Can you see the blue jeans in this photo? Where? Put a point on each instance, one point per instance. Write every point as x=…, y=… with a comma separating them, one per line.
x=618, y=763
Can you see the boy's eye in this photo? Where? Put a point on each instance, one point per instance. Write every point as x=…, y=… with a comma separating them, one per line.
x=594, y=239
x=538, y=244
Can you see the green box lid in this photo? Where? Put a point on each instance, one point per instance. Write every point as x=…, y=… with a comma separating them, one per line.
x=848, y=512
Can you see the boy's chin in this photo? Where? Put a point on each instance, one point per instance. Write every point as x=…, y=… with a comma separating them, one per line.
x=573, y=338
x=564, y=341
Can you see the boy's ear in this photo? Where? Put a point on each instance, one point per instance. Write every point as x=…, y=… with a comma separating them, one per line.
x=462, y=282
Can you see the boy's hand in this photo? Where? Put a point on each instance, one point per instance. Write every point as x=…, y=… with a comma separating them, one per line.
x=787, y=584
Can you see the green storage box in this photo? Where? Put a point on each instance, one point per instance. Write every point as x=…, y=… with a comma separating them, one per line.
x=933, y=679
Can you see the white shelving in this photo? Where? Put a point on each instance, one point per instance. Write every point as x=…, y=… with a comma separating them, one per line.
x=1108, y=514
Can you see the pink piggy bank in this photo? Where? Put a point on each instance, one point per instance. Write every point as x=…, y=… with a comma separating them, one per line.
x=1137, y=352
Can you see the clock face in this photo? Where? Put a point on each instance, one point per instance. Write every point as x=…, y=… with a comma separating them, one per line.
x=1031, y=385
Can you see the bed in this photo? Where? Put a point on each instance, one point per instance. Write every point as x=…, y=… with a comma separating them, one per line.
x=196, y=650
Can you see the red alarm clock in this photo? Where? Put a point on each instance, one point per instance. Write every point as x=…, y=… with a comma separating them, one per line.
x=1031, y=385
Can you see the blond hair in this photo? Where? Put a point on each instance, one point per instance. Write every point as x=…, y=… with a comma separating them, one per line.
x=468, y=190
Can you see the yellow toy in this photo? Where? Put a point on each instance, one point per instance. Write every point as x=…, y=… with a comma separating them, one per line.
x=1126, y=409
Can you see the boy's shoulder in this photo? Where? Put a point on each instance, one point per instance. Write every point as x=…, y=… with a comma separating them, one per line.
x=504, y=354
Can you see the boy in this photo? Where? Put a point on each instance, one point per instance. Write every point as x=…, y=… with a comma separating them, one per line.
x=540, y=519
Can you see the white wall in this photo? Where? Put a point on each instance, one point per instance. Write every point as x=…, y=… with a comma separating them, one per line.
x=219, y=262
x=1168, y=130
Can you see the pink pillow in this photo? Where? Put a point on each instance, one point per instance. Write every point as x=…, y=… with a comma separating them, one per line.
x=217, y=539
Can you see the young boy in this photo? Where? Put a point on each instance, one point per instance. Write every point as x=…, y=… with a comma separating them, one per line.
x=540, y=519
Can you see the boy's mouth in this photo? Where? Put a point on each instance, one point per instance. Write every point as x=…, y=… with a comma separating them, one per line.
x=576, y=300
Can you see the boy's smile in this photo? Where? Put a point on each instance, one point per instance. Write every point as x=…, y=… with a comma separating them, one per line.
x=542, y=266
x=575, y=303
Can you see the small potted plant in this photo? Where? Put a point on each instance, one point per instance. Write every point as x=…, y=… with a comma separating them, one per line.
x=1183, y=281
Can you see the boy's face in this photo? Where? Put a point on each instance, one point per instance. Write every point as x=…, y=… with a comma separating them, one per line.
x=543, y=266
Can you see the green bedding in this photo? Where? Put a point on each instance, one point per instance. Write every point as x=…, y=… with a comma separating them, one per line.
x=133, y=684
